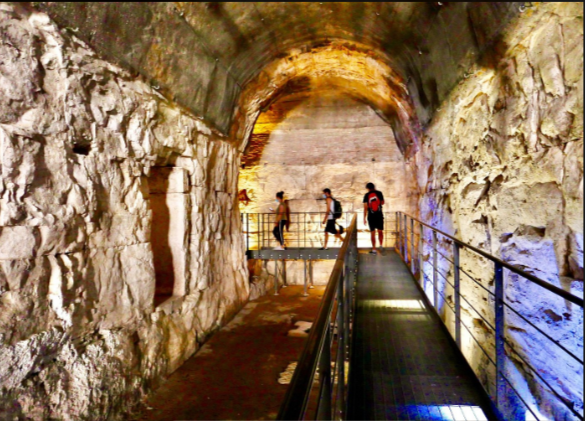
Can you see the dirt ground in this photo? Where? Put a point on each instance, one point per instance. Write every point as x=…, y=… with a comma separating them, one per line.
x=234, y=376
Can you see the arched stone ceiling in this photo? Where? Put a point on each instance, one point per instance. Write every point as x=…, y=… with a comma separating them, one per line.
x=203, y=55
x=354, y=70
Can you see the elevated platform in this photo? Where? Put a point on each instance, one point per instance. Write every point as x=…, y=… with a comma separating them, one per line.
x=293, y=254
x=404, y=365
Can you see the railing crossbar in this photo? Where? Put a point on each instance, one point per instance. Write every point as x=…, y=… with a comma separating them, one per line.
x=552, y=288
x=544, y=333
x=542, y=379
x=504, y=349
x=465, y=299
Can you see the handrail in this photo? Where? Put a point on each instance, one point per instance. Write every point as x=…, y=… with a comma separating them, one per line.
x=297, y=395
x=413, y=254
x=546, y=285
x=305, y=230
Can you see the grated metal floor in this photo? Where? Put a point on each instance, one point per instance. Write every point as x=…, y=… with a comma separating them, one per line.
x=404, y=366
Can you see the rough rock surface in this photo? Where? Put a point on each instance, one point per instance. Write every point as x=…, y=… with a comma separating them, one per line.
x=80, y=336
x=501, y=167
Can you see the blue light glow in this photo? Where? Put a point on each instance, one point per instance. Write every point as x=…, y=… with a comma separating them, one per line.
x=446, y=412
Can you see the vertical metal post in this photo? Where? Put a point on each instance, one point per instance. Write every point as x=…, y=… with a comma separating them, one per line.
x=262, y=230
x=420, y=257
x=457, y=294
x=324, y=408
x=247, y=231
x=260, y=233
x=396, y=222
x=340, y=365
x=347, y=295
x=305, y=272
x=398, y=245
x=405, y=243
x=305, y=230
x=435, y=272
x=500, y=351
x=412, y=258
x=276, y=277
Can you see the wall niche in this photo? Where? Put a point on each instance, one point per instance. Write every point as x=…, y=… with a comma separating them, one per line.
x=169, y=188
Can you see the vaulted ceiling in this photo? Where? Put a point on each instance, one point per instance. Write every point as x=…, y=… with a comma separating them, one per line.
x=204, y=55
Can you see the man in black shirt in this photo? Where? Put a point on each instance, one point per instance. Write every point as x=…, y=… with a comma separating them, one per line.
x=373, y=201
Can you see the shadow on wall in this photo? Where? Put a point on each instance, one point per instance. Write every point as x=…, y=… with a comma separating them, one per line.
x=168, y=204
x=270, y=119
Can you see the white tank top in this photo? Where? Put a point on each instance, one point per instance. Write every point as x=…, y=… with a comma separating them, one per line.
x=331, y=210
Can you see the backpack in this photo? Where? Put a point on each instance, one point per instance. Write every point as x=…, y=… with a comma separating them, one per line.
x=287, y=211
x=374, y=204
x=337, y=209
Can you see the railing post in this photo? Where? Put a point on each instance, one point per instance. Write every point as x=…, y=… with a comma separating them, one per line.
x=435, y=272
x=398, y=245
x=305, y=273
x=341, y=338
x=395, y=229
x=404, y=234
x=261, y=231
x=324, y=408
x=420, y=258
x=499, y=333
x=276, y=277
x=412, y=259
x=305, y=230
x=457, y=294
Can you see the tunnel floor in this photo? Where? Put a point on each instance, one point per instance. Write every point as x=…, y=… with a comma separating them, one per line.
x=235, y=374
x=403, y=364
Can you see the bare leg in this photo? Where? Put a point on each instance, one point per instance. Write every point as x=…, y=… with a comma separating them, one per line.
x=381, y=237
x=373, y=237
x=326, y=238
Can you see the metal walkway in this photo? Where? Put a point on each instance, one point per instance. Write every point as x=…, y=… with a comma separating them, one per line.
x=404, y=365
x=294, y=254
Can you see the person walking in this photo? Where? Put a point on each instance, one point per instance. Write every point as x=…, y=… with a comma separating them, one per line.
x=373, y=202
x=329, y=219
x=282, y=216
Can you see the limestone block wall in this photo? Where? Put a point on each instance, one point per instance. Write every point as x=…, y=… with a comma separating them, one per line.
x=501, y=167
x=89, y=157
x=307, y=142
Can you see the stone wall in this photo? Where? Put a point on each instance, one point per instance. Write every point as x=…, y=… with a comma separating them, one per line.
x=310, y=141
x=501, y=167
x=81, y=144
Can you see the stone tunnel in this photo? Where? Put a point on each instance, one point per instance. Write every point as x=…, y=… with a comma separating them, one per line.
x=136, y=137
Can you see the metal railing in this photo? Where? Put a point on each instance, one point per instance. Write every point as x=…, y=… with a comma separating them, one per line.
x=437, y=260
x=318, y=389
x=307, y=231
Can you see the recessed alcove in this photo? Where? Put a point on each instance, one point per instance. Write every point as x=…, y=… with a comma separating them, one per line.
x=168, y=201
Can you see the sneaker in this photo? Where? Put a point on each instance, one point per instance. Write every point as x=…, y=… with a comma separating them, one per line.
x=324, y=248
x=278, y=248
x=381, y=249
x=373, y=252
